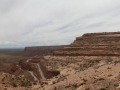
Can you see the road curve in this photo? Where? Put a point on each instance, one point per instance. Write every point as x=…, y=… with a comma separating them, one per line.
x=31, y=72
x=40, y=71
x=35, y=78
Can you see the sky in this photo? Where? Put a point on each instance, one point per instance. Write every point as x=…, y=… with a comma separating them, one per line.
x=54, y=22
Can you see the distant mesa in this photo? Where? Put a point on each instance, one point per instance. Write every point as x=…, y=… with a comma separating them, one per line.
x=93, y=44
x=41, y=50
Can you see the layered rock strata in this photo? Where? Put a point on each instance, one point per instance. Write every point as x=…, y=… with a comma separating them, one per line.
x=93, y=44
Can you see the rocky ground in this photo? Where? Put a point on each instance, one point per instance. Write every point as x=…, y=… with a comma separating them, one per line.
x=96, y=73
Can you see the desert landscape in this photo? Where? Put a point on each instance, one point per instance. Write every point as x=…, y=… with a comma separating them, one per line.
x=59, y=44
x=91, y=62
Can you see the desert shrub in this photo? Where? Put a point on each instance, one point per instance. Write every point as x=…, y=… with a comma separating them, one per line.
x=101, y=79
x=5, y=89
x=53, y=82
x=55, y=88
x=14, y=84
x=22, y=84
x=103, y=89
x=35, y=83
x=3, y=79
x=116, y=84
x=75, y=85
x=30, y=84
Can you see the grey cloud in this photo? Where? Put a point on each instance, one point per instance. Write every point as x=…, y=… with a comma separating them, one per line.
x=96, y=25
x=53, y=22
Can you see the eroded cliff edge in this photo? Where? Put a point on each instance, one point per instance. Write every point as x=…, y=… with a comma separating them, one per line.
x=93, y=44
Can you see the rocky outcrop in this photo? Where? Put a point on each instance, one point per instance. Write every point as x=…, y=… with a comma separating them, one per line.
x=41, y=50
x=93, y=44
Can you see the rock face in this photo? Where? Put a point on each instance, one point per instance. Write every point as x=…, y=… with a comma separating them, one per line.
x=41, y=50
x=93, y=44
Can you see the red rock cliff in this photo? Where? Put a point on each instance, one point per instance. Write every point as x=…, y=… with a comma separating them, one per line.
x=93, y=44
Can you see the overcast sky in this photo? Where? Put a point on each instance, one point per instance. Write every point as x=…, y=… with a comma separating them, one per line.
x=54, y=22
